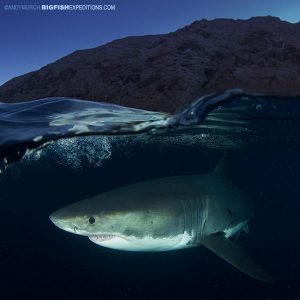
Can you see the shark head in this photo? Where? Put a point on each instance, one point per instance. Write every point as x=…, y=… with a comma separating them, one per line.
x=125, y=220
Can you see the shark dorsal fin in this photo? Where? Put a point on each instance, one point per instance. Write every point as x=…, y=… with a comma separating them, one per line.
x=220, y=169
x=235, y=255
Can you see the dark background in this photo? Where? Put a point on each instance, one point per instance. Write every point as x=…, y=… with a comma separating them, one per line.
x=40, y=261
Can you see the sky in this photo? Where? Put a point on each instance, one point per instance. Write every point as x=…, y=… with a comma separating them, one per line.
x=32, y=39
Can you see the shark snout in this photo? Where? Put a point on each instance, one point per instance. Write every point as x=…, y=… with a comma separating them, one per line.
x=62, y=223
x=52, y=218
x=56, y=220
x=67, y=222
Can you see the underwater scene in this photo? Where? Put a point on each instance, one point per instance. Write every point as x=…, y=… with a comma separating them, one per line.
x=100, y=201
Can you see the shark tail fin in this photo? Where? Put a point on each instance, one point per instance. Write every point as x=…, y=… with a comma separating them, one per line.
x=235, y=255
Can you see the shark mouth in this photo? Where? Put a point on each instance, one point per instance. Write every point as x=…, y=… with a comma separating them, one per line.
x=101, y=237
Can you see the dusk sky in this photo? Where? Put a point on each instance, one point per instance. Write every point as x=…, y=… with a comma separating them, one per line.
x=32, y=39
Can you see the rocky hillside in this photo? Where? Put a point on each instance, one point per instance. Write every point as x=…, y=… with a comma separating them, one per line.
x=162, y=72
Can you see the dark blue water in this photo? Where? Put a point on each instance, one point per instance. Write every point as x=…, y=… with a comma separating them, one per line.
x=58, y=151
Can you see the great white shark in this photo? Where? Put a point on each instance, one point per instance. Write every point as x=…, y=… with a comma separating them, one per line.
x=167, y=214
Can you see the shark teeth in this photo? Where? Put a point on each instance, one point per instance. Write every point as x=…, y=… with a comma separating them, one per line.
x=101, y=237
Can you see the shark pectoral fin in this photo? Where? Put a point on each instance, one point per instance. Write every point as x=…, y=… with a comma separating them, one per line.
x=235, y=255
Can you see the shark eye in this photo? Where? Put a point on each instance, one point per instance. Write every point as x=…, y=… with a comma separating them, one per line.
x=92, y=220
